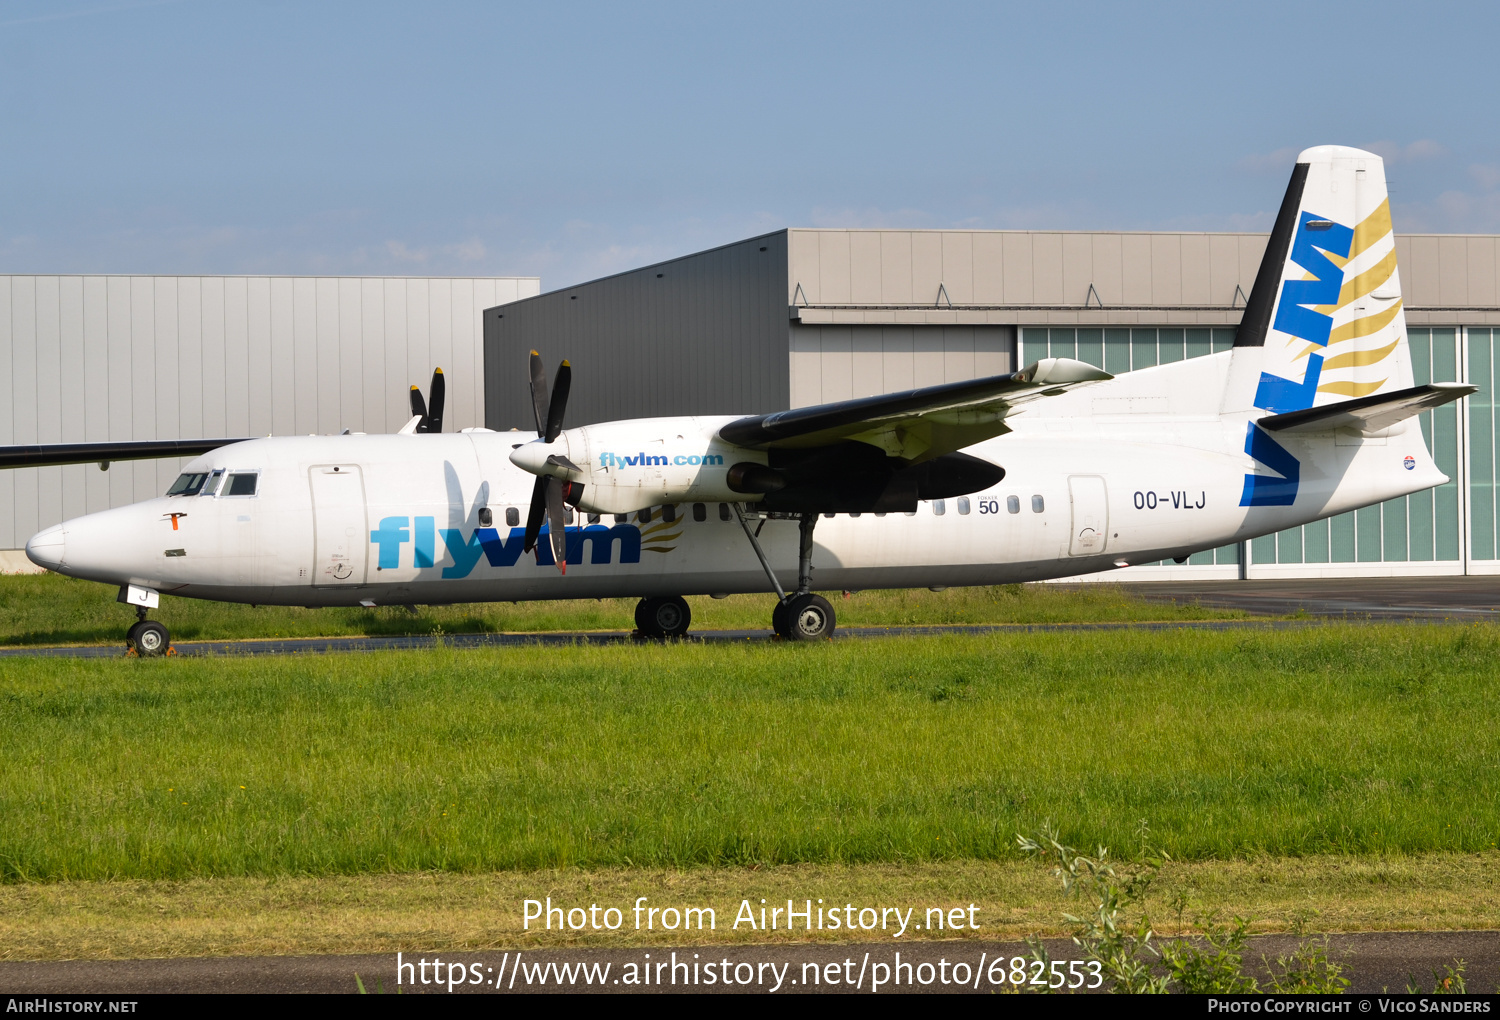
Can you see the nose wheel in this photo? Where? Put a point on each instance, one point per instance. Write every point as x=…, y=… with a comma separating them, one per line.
x=148, y=637
x=663, y=617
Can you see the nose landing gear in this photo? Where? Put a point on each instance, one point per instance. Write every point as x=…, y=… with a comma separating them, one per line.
x=148, y=637
x=800, y=616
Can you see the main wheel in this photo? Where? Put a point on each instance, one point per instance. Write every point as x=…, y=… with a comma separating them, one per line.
x=663, y=617
x=778, y=619
x=807, y=617
x=151, y=638
x=130, y=634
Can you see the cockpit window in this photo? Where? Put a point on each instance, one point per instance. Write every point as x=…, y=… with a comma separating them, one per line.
x=241, y=485
x=212, y=485
x=188, y=484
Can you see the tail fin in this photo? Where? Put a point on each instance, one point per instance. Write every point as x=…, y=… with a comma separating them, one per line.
x=1324, y=321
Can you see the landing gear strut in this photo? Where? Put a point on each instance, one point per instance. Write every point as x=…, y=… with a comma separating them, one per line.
x=663, y=617
x=147, y=637
x=800, y=616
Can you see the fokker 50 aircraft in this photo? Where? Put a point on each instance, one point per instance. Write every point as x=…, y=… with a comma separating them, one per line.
x=1055, y=470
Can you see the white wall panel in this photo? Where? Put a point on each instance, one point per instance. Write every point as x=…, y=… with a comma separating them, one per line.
x=348, y=328
x=7, y=412
x=831, y=363
x=98, y=358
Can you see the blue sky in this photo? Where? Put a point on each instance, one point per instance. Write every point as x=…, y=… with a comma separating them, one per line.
x=573, y=140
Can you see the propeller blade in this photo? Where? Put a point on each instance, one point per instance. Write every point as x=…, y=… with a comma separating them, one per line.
x=418, y=405
x=557, y=523
x=435, y=407
x=559, y=401
x=537, y=513
x=539, y=392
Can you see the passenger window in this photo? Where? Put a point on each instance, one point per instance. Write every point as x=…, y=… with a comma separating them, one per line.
x=963, y=504
x=911, y=513
x=512, y=517
x=1013, y=504
x=724, y=512
x=1038, y=505
x=241, y=485
x=593, y=518
x=567, y=515
x=939, y=507
x=621, y=518
x=878, y=514
x=644, y=516
x=700, y=512
x=189, y=484
x=669, y=512
x=486, y=517
x=856, y=515
x=830, y=515
x=212, y=485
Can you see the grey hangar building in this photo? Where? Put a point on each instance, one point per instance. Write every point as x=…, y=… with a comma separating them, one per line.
x=786, y=319
x=807, y=316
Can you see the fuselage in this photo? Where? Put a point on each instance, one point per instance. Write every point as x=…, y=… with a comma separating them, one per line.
x=1100, y=477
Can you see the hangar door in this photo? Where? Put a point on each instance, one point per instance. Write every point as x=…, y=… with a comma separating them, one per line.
x=341, y=540
x=837, y=362
x=1090, y=515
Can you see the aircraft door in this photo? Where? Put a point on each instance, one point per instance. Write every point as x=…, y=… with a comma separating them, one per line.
x=340, y=529
x=1090, y=515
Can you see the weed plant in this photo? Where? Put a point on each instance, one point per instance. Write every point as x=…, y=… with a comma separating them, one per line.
x=1117, y=934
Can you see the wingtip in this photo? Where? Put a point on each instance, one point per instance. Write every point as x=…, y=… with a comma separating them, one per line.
x=565, y=363
x=536, y=354
x=437, y=371
x=414, y=386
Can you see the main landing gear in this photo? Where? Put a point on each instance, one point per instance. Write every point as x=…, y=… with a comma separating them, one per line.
x=800, y=616
x=148, y=637
x=663, y=617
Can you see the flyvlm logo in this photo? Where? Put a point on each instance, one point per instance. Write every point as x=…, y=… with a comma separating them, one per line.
x=1410, y=462
x=1263, y=490
x=422, y=534
x=1296, y=314
x=607, y=460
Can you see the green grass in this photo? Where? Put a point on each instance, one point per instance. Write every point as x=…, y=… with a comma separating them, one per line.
x=41, y=609
x=1377, y=739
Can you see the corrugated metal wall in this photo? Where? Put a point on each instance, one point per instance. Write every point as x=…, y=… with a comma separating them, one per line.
x=705, y=334
x=95, y=358
x=837, y=362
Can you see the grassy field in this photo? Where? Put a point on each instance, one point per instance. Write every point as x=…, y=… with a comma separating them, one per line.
x=437, y=911
x=1376, y=739
x=40, y=609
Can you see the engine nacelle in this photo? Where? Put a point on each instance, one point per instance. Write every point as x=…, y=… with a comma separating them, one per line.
x=630, y=465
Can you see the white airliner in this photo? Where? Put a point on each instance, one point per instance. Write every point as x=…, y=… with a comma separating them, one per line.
x=1056, y=470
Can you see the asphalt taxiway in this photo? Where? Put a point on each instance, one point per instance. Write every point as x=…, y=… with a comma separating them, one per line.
x=1373, y=962
x=1430, y=599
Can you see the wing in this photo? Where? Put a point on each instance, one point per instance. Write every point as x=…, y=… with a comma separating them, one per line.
x=103, y=453
x=917, y=425
x=1368, y=414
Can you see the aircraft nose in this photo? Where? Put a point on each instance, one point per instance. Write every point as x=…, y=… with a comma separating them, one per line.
x=46, y=548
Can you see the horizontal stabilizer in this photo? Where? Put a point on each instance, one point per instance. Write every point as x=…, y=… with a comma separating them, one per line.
x=49, y=454
x=915, y=425
x=1368, y=414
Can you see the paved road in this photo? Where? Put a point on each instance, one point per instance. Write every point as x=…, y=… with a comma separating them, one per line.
x=279, y=646
x=1377, y=598
x=1451, y=599
x=1381, y=961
